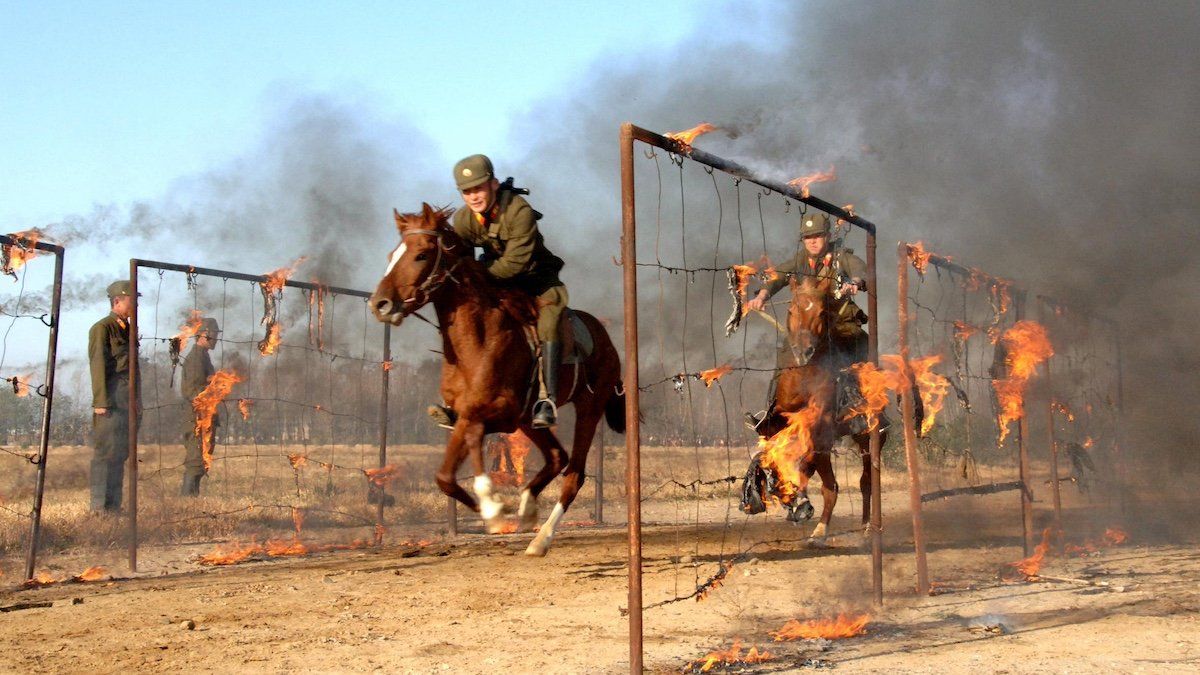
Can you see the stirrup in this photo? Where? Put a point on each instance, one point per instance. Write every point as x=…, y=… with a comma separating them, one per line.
x=442, y=416
x=545, y=414
x=754, y=420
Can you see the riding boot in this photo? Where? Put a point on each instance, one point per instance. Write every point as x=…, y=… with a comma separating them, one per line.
x=545, y=411
x=442, y=415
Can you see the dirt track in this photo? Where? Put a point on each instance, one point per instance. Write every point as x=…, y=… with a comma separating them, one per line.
x=477, y=605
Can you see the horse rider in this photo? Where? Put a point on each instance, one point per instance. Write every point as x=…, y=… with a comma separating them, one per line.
x=847, y=339
x=499, y=220
x=198, y=371
x=108, y=361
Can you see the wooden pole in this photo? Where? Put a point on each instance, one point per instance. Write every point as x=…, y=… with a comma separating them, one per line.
x=908, y=414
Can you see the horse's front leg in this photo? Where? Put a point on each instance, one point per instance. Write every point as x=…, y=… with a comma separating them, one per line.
x=490, y=509
x=456, y=452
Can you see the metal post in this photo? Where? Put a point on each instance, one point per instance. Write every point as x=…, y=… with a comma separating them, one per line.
x=35, y=528
x=134, y=411
x=1050, y=430
x=383, y=420
x=600, y=479
x=1118, y=427
x=908, y=412
x=874, y=443
x=452, y=516
x=633, y=469
x=1023, y=455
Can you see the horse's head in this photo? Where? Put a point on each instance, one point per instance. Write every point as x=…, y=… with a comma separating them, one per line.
x=808, y=317
x=428, y=253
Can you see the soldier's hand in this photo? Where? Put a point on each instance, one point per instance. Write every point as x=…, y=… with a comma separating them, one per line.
x=100, y=411
x=849, y=288
x=756, y=303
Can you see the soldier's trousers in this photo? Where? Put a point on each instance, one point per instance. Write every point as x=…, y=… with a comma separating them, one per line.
x=551, y=303
x=110, y=443
x=193, y=462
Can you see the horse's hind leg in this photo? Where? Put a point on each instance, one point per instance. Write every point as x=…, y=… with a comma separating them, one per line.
x=585, y=429
x=863, y=442
x=555, y=458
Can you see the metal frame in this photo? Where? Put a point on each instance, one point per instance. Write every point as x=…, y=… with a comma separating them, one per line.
x=35, y=527
x=628, y=135
x=132, y=478
x=908, y=412
x=1046, y=303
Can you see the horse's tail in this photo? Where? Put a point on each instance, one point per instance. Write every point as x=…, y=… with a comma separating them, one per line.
x=614, y=410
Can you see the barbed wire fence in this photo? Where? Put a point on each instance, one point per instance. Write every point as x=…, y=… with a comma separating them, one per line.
x=27, y=397
x=714, y=227
x=1084, y=399
x=300, y=451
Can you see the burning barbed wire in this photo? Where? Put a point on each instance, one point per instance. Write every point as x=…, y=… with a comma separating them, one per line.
x=802, y=183
x=14, y=256
x=728, y=657
x=1026, y=346
x=272, y=291
x=205, y=406
x=684, y=139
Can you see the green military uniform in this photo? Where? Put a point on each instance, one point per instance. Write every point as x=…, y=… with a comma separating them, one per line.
x=515, y=255
x=840, y=264
x=197, y=372
x=108, y=358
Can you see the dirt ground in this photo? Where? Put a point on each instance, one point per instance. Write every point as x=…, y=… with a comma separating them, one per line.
x=474, y=603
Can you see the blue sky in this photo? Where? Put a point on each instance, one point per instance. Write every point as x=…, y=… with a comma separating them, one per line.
x=108, y=102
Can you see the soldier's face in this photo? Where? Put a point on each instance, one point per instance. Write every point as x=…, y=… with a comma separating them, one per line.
x=123, y=306
x=815, y=245
x=480, y=197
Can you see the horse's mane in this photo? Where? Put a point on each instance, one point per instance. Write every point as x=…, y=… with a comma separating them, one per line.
x=517, y=304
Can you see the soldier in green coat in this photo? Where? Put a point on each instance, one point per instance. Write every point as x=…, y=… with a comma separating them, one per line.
x=108, y=358
x=848, y=340
x=499, y=220
x=197, y=372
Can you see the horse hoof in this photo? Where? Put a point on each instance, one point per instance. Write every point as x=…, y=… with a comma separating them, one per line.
x=537, y=549
x=817, y=542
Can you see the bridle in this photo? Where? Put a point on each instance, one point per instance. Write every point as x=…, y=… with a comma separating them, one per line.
x=435, y=279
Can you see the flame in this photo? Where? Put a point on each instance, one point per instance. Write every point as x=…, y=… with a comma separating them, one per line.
x=803, y=182
x=276, y=280
x=932, y=388
x=15, y=255
x=384, y=475
x=783, y=451
x=713, y=374
x=844, y=626
x=1088, y=443
x=244, y=406
x=297, y=460
x=96, y=573
x=964, y=330
x=849, y=209
x=716, y=581
x=744, y=272
x=1062, y=409
x=188, y=330
x=269, y=344
x=1027, y=346
x=297, y=519
x=1115, y=536
x=386, y=365
x=513, y=450
x=232, y=554
x=1030, y=566
x=205, y=405
x=20, y=384
x=731, y=656
x=918, y=257
x=686, y=138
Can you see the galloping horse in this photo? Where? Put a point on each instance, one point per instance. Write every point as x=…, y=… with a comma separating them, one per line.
x=489, y=373
x=810, y=379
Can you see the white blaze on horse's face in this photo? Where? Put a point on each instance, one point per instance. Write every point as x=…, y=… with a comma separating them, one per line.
x=396, y=255
x=807, y=309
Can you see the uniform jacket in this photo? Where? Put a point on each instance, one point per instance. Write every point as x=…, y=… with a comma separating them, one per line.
x=838, y=264
x=513, y=248
x=108, y=358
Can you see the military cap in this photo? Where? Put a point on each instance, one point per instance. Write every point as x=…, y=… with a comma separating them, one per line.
x=472, y=171
x=209, y=326
x=119, y=288
x=814, y=225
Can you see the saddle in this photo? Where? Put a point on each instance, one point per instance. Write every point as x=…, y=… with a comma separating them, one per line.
x=576, y=339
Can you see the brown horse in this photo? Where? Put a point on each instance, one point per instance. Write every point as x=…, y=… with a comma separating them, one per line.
x=489, y=368
x=810, y=379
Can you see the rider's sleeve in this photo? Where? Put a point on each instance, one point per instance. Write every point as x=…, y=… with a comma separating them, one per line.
x=519, y=245
x=854, y=267
x=783, y=271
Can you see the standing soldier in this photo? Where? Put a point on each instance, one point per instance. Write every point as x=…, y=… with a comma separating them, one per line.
x=848, y=340
x=108, y=357
x=197, y=372
x=504, y=225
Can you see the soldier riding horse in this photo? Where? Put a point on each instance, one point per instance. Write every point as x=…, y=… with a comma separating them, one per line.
x=490, y=373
